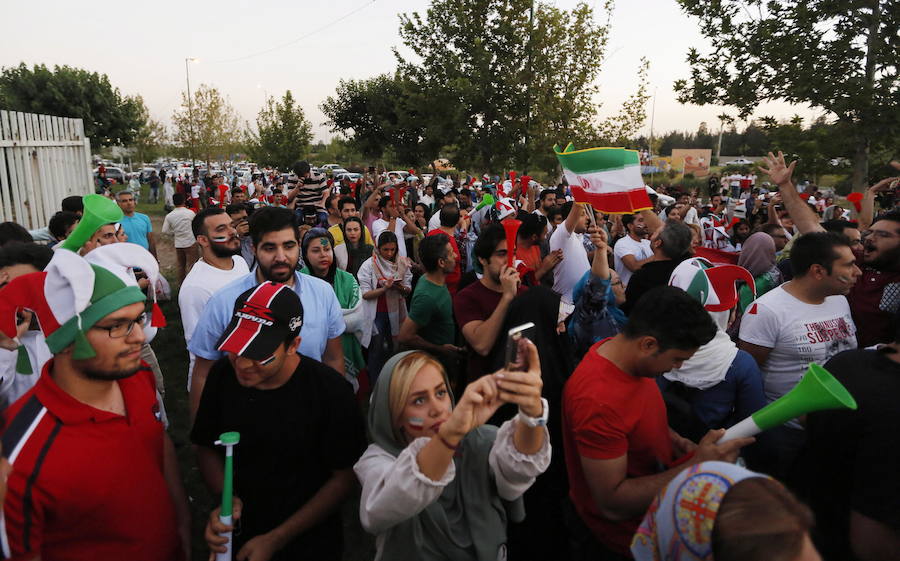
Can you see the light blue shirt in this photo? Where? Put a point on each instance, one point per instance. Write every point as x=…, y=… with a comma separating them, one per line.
x=322, y=316
x=137, y=227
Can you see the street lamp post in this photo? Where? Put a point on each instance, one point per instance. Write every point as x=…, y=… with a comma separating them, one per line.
x=187, y=74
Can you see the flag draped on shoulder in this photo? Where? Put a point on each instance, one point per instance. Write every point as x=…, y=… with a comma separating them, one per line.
x=607, y=178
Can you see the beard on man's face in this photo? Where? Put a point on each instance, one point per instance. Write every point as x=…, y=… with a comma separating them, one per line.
x=110, y=375
x=222, y=250
x=277, y=272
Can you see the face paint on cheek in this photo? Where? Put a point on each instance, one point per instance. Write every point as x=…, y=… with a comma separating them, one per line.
x=416, y=422
x=220, y=239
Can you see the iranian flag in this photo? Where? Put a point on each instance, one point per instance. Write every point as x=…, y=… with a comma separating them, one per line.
x=607, y=178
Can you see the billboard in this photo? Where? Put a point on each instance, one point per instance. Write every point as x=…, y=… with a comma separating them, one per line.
x=692, y=160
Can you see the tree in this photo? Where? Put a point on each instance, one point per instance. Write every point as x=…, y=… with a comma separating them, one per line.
x=209, y=124
x=283, y=133
x=836, y=56
x=109, y=118
x=509, y=83
x=151, y=135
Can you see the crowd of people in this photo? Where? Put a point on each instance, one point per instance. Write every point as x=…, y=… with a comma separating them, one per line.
x=361, y=337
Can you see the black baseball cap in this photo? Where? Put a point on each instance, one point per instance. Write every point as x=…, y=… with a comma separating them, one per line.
x=263, y=318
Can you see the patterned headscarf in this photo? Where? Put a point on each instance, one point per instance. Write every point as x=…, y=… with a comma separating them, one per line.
x=679, y=524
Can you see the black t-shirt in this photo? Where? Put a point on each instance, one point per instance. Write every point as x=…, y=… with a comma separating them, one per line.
x=292, y=439
x=852, y=459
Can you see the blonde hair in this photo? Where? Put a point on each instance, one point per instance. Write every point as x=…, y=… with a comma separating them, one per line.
x=401, y=381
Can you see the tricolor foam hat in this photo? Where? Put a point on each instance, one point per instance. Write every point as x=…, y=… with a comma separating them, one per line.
x=68, y=297
x=123, y=260
x=505, y=207
x=711, y=285
x=263, y=318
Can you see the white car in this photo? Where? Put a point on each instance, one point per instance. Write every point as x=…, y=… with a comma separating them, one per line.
x=350, y=176
x=399, y=173
x=739, y=162
x=329, y=168
x=338, y=171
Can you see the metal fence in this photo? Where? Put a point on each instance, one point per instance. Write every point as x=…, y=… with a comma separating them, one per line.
x=43, y=159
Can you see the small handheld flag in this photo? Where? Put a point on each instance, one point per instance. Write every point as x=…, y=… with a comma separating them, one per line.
x=228, y=440
x=607, y=178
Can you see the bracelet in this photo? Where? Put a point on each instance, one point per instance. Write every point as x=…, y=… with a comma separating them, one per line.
x=447, y=444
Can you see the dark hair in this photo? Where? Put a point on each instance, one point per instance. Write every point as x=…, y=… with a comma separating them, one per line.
x=235, y=208
x=532, y=225
x=676, y=239
x=60, y=222
x=13, y=232
x=383, y=201
x=330, y=198
x=816, y=248
x=760, y=520
x=178, y=199
x=771, y=229
x=547, y=193
x=271, y=219
x=314, y=234
x=566, y=209
x=628, y=219
x=488, y=240
x=432, y=249
x=25, y=253
x=198, y=223
x=426, y=208
x=236, y=190
x=386, y=237
x=672, y=317
x=553, y=213
x=300, y=169
x=838, y=226
x=346, y=201
x=73, y=204
x=449, y=215
x=892, y=215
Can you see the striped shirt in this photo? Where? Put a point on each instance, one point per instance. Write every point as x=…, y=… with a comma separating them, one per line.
x=87, y=484
x=309, y=194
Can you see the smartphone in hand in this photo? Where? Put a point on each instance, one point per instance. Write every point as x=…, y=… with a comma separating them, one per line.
x=515, y=341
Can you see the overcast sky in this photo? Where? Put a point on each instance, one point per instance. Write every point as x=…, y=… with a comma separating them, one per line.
x=143, y=46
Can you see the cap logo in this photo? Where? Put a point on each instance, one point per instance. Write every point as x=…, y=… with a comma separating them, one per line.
x=256, y=313
x=296, y=323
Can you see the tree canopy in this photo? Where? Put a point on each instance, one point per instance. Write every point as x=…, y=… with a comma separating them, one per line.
x=109, y=117
x=283, y=133
x=208, y=124
x=836, y=56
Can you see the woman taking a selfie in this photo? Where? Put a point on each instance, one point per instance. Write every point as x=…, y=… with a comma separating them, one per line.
x=435, y=479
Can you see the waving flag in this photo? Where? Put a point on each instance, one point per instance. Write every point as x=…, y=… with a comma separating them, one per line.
x=607, y=178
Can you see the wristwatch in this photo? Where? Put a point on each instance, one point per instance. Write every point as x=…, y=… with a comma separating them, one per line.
x=536, y=421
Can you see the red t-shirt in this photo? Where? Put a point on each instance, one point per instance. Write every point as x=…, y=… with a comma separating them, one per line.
x=608, y=413
x=874, y=301
x=477, y=302
x=531, y=256
x=86, y=484
x=452, y=280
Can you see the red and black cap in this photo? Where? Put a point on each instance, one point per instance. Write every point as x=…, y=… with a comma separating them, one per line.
x=263, y=318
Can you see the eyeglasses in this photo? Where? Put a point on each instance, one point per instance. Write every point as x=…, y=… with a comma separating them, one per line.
x=122, y=328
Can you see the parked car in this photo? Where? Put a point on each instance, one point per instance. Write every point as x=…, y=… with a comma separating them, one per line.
x=338, y=171
x=350, y=176
x=114, y=174
x=742, y=161
x=329, y=168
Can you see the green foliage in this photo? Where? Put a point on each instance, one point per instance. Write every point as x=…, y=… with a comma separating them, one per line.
x=109, y=118
x=836, y=56
x=283, y=133
x=487, y=86
x=208, y=124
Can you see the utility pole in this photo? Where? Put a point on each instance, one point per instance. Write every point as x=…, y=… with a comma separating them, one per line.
x=528, y=86
x=187, y=73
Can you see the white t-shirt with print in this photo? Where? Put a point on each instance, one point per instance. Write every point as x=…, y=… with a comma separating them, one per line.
x=798, y=334
x=574, y=264
x=629, y=246
x=380, y=225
